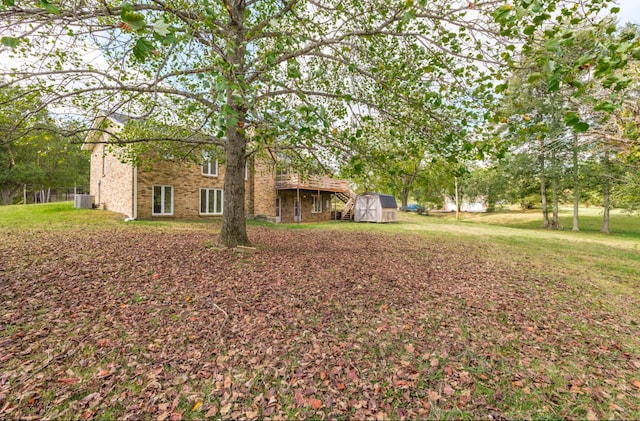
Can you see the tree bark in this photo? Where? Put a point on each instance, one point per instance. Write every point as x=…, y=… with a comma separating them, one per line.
x=576, y=187
x=606, y=192
x=543, y=186
x=7, y=195
x=405, y=198
x=234, y=226
x=555, y=223
x=457, y=199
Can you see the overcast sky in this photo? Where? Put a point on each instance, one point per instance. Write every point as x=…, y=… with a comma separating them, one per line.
x=629, y=11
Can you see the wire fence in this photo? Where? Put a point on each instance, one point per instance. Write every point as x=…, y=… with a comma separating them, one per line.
x=39, y=194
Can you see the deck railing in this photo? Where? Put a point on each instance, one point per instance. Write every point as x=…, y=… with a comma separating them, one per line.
x=325, y=183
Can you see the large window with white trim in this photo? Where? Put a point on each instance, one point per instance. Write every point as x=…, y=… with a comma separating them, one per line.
x=209, y=164
x=162, y=200
x=211, y=201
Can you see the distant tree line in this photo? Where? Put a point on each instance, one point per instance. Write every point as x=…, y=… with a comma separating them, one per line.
x=39, y=162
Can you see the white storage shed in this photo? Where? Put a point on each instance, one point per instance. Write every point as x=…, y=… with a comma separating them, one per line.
x=375, y=207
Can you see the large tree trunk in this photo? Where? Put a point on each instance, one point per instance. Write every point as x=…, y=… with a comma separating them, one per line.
x=234, y=226
x=576, y=187
x=606, y=192
x=7, y=195
x=543, y=186
x=404, y=197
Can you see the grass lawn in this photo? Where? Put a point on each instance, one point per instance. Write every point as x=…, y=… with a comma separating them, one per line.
x=488, y=317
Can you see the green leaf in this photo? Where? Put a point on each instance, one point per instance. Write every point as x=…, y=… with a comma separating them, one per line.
x=501, y=13
x=529, y=30
x=49, y=7
x=135, y=20
x=9, y=2
x=142, y=49
x=501, y=88
x=549, y=67
x=571, y=118
x=293, y=70
x=534, y=77
x=606, y=106
x=624, y=47
x=10, y=42
x=581, y=127
x=161, y=28
x=615, y=10
x=552, y=45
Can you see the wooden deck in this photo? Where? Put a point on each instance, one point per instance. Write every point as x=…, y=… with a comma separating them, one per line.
x=294, y=181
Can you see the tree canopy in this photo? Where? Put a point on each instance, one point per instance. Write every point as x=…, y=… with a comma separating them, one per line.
x=36, y=155
x=249, y=74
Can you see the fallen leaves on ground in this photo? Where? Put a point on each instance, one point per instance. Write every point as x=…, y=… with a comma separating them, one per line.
x=142, y=323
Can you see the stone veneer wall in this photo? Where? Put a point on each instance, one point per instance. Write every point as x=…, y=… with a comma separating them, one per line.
x=111, y=181
x=287, y=198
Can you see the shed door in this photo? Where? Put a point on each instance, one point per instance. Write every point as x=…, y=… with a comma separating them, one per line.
x=368, y=209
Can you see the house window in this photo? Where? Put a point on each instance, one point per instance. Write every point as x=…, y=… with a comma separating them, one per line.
x=211, y=201
x=317, y=204
x=104, y=164
x=246, y=171
x=162, y=200
x=209, y=164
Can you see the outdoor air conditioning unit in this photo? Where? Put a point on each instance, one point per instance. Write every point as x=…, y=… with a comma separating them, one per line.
x=83, y=201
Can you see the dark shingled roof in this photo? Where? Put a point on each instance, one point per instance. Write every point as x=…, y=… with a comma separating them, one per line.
x=388, y=201
x=119, y=118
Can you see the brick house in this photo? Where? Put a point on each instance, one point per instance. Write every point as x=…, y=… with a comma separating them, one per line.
x=175, y=189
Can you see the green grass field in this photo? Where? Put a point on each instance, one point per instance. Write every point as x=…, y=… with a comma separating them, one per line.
x=429, y=317
x=608, y=261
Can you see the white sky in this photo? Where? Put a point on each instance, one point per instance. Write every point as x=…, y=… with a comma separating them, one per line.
x=629, y=11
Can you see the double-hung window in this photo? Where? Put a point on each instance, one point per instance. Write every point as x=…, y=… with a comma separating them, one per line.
x=209, y=164
x=162, y=200
x=211, y=201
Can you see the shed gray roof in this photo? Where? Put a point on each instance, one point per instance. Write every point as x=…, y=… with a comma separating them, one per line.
x=388, y=201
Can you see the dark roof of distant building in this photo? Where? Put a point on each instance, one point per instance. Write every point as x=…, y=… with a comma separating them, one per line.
x=115, y=116
x=120, y=118
x=386, y=200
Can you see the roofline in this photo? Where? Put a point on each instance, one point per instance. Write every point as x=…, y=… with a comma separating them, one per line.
x=87, y=145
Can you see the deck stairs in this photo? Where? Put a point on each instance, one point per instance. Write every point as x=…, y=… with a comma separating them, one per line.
x=349, y=199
